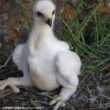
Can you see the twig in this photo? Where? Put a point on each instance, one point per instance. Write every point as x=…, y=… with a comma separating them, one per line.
x=2, y=66
x=103, y=106
x=45, y=95
x=104, y=96
x=6, y=94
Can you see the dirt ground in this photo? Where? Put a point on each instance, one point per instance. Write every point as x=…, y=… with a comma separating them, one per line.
x=95, y=95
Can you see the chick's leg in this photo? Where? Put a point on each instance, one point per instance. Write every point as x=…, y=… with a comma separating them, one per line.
x=14, y=82
x=59, y=101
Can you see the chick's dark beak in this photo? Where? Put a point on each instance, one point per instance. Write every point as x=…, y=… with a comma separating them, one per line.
x=49, y=22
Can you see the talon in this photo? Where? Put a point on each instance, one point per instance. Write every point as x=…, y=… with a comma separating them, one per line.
x=5, y=83
x=57, y=106
x=53, y=102
x=63, y=104
x=1, y=82
x=58, y=102
x=15, y=89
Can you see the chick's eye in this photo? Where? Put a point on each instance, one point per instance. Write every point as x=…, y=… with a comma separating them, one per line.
x=53, y=12
x=39, y=14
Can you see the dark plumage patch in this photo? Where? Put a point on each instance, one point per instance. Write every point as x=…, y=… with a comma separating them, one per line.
x=39, y=14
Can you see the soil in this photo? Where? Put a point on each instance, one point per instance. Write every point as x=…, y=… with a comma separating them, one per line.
x=94, y=95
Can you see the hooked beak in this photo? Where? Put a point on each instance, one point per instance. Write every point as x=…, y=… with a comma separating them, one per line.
x=49, y=22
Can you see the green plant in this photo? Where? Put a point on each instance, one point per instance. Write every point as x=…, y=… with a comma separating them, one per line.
x=96, y=52
x=23, y=13
x=89, y=37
